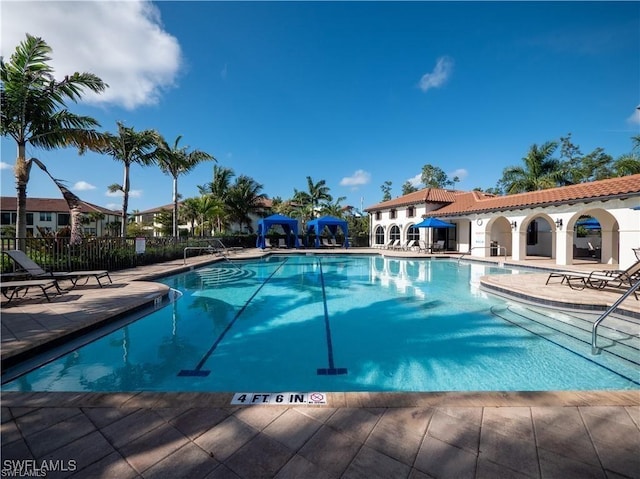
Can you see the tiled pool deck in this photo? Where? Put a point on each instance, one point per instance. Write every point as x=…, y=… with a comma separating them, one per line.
x=386, y=435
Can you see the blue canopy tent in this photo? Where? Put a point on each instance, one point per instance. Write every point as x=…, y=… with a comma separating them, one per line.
x=289, y=225
x=589, y=223
x=330, y=222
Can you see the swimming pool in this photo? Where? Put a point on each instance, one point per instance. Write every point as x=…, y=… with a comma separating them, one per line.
x=333, y=323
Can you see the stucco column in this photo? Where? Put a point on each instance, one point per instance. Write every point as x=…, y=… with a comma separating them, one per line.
x=564, y=247
x=518, y=245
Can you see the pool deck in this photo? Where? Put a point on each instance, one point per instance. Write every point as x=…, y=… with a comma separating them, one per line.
x=388, y=435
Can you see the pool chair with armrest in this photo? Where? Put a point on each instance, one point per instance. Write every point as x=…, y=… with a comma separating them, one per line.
x=599, y=279
x=33, y=270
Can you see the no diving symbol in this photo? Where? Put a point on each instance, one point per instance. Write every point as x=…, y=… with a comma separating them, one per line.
x=317, y=398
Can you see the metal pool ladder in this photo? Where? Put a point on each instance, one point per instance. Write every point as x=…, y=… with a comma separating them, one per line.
x=594, y=330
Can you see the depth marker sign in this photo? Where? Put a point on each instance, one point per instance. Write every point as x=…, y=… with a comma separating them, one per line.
x=278, y=399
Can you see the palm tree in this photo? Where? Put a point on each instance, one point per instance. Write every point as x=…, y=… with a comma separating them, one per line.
x=189, y=212
x=219, y=189
x=335, y=208
x=208, y=207
x=33, y=110
x=129, y=147
x=176, y=161
x=317, y=192
x=540, y=171
x=245, y=198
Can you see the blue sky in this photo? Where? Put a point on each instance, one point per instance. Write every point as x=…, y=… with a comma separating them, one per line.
x=354, y=93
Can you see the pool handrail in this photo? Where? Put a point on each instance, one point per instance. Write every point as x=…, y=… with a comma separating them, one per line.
x=222, y=251
x=594, y=329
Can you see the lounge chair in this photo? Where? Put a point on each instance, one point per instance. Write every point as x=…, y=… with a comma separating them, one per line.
x=334, y=243
x=599, y=279
x=282, y=243
x=33, y=270
x=10, y=289
x=393, y=245
x=410, y=245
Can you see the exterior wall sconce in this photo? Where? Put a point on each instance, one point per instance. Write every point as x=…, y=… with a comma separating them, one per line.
x=514, y=225
x=559, y=223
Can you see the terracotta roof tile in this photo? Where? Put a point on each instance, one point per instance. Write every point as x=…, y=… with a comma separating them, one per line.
x=475, y=201
x=426, y=195
x=53, y=205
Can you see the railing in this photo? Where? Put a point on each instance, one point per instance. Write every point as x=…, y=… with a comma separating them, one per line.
x=112, y=254
x=594, y=330
x=221, y=250
x=498, y=247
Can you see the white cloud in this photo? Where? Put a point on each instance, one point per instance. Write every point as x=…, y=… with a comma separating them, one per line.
x=123, y=43
x=461, y=173
x=635, y=116
x=114, y=206
x=83, y=186
x=5, y=166
x=360, y=177
x=118, y=193
x=439, y=75
x=416, y=181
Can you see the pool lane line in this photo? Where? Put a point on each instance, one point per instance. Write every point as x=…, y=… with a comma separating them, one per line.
x=198, y=371
x=331, y=370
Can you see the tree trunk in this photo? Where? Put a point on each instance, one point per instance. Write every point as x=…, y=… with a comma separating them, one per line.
x=21, y=172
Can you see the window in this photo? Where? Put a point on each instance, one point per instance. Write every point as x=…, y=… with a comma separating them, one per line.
x=45, y=216
x=413, y=233
x=411, y=211
x=378, y=215
x=379, y=235
x=30, y=219
x=64, y=219
x=8, y=218
x=394, y=234
x=393, y=214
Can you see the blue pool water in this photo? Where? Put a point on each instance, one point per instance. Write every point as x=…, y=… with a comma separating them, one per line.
x=328, y=323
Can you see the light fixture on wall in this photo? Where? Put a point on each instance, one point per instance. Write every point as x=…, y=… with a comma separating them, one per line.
x=514, y=225
x=559, y=223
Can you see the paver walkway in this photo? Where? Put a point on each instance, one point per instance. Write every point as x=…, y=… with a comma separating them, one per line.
x=386, y=435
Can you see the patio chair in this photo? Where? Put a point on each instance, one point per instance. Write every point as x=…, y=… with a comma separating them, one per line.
x=599, y=279
x=282, y=243
x=10, y=289
x=34, y=271
x=437, y=246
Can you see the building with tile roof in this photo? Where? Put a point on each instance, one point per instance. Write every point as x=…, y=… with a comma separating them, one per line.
x=51, y=214
x=539, y=223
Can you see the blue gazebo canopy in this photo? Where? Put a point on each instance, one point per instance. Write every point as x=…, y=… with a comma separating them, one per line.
x=289, y=225
x=330, y=222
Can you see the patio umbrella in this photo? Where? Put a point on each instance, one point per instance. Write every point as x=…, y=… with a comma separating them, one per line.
x=434, y=223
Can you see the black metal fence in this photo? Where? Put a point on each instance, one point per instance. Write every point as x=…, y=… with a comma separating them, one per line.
x=112, y=254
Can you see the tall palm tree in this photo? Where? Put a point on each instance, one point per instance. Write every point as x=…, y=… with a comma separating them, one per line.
x=176, y=161
x=315, y=194
x=33, y=110
x=540, y=171
x=208, y=208
x=245, y=198
x=129, y=147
